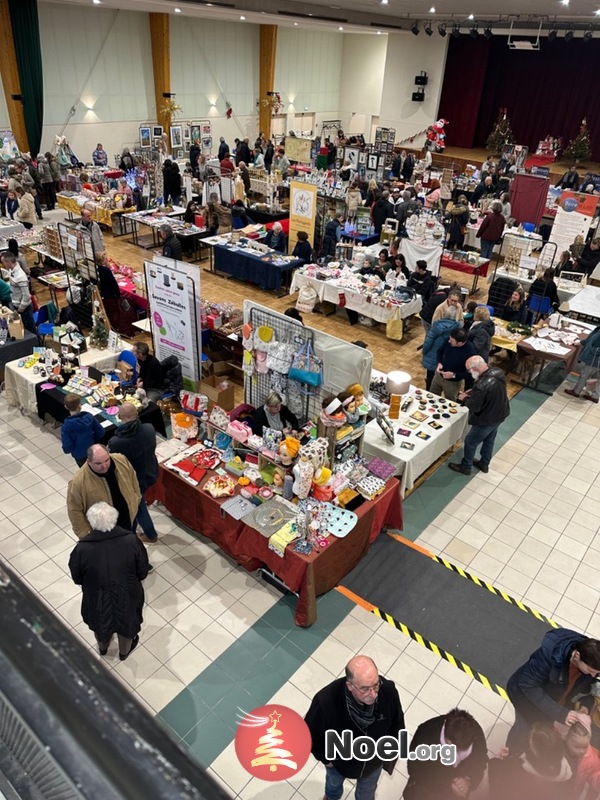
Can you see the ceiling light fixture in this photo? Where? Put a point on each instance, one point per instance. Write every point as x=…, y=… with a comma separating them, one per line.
x=552, y=34
x=588, y=35
x=384, y=2
x=456, y=30
x=565, y=2
x=378, y=33
x=415, y=28
x=242, y=18
x=177, y=10
x=295, y=24
x=597, y=12
x=428, y=29
x=471, y=17
x=569, y=35
x=442, y=29
x=432, y=10
x=97, y=2
x=487, y=32
x=340, y=28
x=474, y=33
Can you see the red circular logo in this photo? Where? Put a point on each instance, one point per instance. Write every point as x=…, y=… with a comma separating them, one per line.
x=272, y=742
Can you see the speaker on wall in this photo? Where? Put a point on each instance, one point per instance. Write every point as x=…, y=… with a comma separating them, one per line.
x=418, y=97
x=421, y=80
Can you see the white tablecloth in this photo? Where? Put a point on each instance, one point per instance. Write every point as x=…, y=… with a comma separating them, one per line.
x=526, y=243
x=587, y=302
x=564, y=294
x=329, y=291
x=20, y=382
x=409, y=464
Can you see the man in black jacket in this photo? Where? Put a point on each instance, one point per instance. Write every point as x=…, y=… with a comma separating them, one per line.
x=488, y=407
x=364, y=704
x=150, y=377
x=406, y=208
x=589, y=258
x=171, y=244
x=137, y=442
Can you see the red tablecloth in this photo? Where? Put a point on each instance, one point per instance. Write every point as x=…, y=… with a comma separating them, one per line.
x=129, y=292
x=461, y=266
x=539, y=160
x=309, y=576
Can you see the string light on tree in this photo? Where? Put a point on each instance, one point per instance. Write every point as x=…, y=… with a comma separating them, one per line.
x=579, y=149
x=501, y=133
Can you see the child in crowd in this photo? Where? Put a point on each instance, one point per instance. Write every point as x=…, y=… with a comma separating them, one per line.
x=80, y=430
x=12, y=204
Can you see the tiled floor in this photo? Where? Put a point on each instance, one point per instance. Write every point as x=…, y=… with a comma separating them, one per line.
x=215, y=638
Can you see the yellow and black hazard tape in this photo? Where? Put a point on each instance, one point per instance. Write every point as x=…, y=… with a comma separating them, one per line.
x=472, y=673
x=498, y=592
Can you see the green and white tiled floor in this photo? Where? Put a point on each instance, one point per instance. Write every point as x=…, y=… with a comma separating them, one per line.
x=215, y=638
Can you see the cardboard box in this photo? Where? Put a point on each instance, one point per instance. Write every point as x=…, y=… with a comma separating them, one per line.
x=222, y=368
x=225, y=398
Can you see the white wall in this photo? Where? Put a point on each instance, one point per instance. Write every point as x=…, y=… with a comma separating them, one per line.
x=363, y=66
x=213, y=63
x=308, y=72
x=4, y=121
x=407, y=55
x=103, y=57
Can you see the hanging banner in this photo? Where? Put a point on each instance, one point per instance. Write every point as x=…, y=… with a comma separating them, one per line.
x=171, y=302
x=573, y=218
x=303, y=209
x=297, y=149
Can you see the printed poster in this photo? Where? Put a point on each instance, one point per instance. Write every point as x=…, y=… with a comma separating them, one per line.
x=303, y=209
x=573, y=218
x=170, y=299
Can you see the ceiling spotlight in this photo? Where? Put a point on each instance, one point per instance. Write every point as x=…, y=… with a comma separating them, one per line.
x=552, y=34
x=442, y=29
x=415, y=28
x=243, y=18
x=471, y=16
x=597, y=12
x=428, y=29
x=588, y=35
x=569, y=35
x=97, y=2
x=487, y=32
x=340, y=28
x=565, y=2
x=474, y=33
x=456, y=30
x=432, y=10
x=384, y=2
x=378, y=33
x=295, y=24
x=177, y=10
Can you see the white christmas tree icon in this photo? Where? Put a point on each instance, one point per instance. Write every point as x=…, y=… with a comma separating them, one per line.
x=269, y=753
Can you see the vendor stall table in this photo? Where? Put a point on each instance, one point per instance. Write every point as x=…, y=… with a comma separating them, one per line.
x=265, y=217
x=363, y=239
x=52, y=402
x=409, y=464
x=330, y=291
x=307, y=575
x=191, y=234
x=8, y=228
x=20, y=382
x=538, y=358
x=73, y=204
x=129, y=291
x=525, y=242
x=586, y=304
x=16, y=350
x=41, y=254
x=481, y=268
x=566, y=291
x=250, y=266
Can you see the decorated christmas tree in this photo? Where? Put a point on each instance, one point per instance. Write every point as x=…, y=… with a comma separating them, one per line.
x=99, y=334
x=501, y=133
x=579, y=148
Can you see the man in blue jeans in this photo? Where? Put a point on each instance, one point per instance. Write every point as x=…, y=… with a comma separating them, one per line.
x=488, y=407
x=137, y=441
x=366, y=704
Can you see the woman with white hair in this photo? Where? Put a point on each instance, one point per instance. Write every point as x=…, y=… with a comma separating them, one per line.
x=109, y=565
x=276, y=239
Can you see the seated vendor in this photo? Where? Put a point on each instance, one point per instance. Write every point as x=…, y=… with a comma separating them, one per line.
x=273, y=414
x=399, y=274
x=545, y=287
x=302, y=248
x=276, y=239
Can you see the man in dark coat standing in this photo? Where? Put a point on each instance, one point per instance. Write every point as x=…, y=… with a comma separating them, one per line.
x=566, y=663
x=382, y=210
x=365, y=704
x=137, y=441
x=488, y=407
x=109, y=565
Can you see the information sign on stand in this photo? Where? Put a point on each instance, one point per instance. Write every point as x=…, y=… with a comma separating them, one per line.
x=303, y=208
x=171, y=300
x=573, y=218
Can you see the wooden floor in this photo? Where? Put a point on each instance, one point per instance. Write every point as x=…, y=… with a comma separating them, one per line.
x=387, y=354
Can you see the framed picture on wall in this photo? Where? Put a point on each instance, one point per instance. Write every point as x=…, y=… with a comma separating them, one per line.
x=351, y=154
x=178, y=153
x=157, y=131
x=176, y=136
x=207, y=143
x=195, y=132
x=372, y=160
x=187, y=132
x=206, y=129
x=145, y=137
x=156, y=142
x=362, y=157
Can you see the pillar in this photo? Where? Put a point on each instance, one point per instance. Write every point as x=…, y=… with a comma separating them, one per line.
x=268, y=51
x=10, y=79
x=160, y=39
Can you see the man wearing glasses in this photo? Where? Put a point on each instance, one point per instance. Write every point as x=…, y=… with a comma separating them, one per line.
x=366, y=704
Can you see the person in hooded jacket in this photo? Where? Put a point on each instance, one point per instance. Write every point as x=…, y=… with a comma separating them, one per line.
x=47, y=181
x=437, y=336
x=79, y=431
x=382, y=210
x=109, y=564
x=136, y=440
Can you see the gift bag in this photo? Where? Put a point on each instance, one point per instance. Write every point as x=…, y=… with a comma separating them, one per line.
x=280, y=357
x=307, y=298
x=15, y=327
x=394, y=326
x=193, y=402
x=219, y=418
x=306, y=366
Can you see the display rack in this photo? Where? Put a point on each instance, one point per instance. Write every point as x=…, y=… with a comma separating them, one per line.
x=80, y=265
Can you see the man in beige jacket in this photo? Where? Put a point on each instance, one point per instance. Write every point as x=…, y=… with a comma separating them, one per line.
x=103, y=478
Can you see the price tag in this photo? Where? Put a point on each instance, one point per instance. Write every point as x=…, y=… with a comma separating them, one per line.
x=72, y=242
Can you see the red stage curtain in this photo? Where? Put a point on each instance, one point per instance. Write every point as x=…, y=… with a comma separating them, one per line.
x=545, y=92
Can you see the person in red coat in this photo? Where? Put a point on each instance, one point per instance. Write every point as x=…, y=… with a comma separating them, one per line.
x=491, y=229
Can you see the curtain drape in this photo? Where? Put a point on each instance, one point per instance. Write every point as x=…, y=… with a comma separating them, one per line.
x=26, y=35
x=548, y=91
